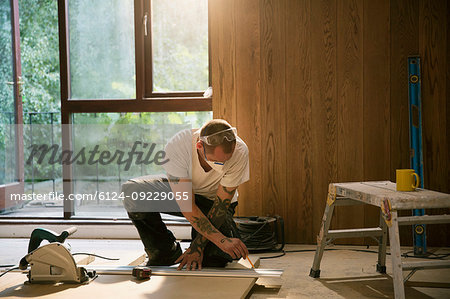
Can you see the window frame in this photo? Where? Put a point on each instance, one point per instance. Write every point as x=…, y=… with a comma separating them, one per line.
x=147, y=58
x=16, y=187
x=145, y=101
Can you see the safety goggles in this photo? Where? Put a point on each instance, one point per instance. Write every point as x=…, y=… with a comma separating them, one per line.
x=218, y=137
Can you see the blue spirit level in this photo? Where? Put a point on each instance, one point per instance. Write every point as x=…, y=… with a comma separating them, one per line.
x=415, y=142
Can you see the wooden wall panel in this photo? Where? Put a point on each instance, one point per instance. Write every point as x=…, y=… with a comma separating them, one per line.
x=376, y=99
x=223, y=60
x=248, y=56
x=324, y=105
x=273, y=107
x=433, y=50
x=448, y=94
x=404, y=42
x=350, y=105
x=432, y=45
x=298, y=122
x=319, y=91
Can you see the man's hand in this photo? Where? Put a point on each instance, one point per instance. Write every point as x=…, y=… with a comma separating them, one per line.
x=233, y=247
x=192, y=258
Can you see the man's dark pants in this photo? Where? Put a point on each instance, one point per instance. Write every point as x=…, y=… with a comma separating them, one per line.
x=153, y=232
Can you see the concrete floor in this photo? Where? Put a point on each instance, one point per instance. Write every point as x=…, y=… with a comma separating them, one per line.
x=344, y=273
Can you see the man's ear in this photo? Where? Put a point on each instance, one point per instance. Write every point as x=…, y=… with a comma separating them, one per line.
x=199, y=145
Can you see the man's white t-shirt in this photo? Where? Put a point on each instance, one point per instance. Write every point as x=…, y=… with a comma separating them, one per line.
x=184, y=163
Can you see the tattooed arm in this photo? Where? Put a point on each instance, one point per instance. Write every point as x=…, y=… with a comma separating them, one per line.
x=217, y=213
x=199, y=221
x=214, y=220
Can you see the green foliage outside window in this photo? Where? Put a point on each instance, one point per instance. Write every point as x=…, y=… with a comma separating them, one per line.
x=40, y=68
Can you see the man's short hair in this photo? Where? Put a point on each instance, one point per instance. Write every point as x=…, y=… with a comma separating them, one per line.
x=214, y=126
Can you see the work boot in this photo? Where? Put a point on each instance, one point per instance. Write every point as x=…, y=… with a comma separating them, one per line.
x=157, y=257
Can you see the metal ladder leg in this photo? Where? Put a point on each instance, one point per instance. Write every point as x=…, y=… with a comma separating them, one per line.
x=322, y=239
x=397, y=271
x=381, y=265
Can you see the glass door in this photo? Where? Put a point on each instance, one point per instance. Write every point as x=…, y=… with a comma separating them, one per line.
x=11, y=128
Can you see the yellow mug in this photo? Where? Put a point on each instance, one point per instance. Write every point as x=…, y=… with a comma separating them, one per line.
x=407, y=180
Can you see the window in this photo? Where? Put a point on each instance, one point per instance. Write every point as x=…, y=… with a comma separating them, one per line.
x=122, y=57
x=121, y=60
x=102, y=53
x=179, y=46
x=135, y=51
x=113, y=132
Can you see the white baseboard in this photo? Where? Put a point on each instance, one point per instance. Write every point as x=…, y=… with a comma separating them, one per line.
x=88, y=231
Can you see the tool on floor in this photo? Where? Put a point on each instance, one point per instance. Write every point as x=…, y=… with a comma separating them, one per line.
x=415, y=142
x=141, y=273
x=52, y=262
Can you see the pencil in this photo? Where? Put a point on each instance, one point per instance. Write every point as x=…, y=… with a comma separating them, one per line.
x=253, y=267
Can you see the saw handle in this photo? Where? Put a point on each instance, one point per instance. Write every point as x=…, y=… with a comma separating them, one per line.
x=70, y=231
x=40, y=234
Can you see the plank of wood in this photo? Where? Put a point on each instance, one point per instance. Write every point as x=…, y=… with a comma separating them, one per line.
x=376, y=98
x=433, y=49
x=223, y=48
x=248, y=95
x=298, y=122
x=273, y=104
x=120, y=286
x=404, y=41
x=324, y=104
x=448, y=95
x=350, y=105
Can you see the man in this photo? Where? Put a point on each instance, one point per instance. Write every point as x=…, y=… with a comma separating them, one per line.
x=217, y=161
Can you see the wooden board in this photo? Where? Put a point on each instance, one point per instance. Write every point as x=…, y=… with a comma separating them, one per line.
x=350, y=93
x=248, y=57
x=374, y=192
x=223, y=59
x=376, y=99
x=273, y=106
x=320, y=92
x=298, y=110
x=324, y=104
x=120, y=286
x=433, y=49
x=404, y=42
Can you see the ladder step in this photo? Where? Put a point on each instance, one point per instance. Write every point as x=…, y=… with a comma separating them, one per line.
x=425, y=219
x=344, y=201
x=426, y=265
x=355, y=233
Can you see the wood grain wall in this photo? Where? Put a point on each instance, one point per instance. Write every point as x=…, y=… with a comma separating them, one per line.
x=318, y=91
